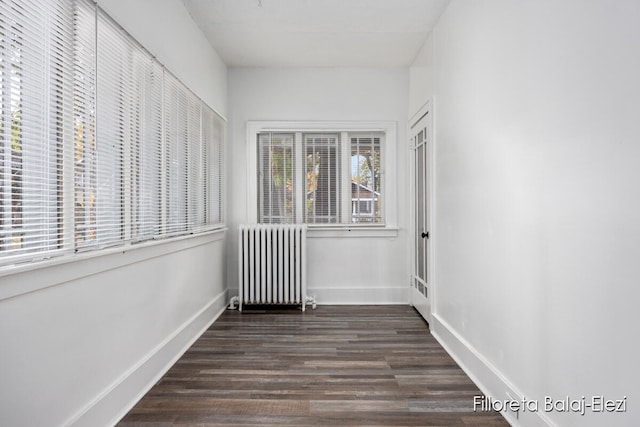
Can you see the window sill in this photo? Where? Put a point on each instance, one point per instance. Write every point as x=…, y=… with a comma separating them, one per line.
x=351, y=231
x=28, y=277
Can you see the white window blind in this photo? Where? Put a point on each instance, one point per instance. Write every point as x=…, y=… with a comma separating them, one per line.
x=217, y=170
x=366, y=177
x=36, y=81
x=99, y=144
x=84, y=123
x=146, y=176
x=118, y=157
x=194, y=139
x=322, y=185
x=115, y=119
x=276, y=178
x=212, y=140
x=196, y=199
x=176, y=105
x=136, y=110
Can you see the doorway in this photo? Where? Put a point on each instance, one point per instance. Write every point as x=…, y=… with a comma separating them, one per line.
x=421, y=135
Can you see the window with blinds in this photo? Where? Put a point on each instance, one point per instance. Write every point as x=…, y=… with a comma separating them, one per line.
x=99, y=144
x=276, y=176
x=320, y=178
x=84, y=124
x=176, y=103
x=36, y=87
x=192, y=163
x=322, y=181
x=146, y=145
x=213, y=146
x=366, y=178
x=195, y=168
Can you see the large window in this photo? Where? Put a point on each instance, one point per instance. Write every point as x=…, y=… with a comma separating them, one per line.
x=99, y=144
x=366, y=177
x=277, y=174
x=327, y=174
x=35, y=95
x=321, y=157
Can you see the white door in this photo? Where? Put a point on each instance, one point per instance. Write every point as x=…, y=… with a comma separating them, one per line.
x=420, y=134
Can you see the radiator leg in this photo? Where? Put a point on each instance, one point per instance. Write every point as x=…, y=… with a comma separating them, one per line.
x=232, y=303
x=309, y=300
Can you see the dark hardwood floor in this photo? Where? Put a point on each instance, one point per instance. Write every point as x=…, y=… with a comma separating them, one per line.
x=333, y=366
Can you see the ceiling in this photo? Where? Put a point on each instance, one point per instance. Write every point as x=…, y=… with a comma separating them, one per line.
x=316, y=33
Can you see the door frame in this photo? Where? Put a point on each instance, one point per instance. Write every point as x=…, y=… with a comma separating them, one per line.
x=425, y=306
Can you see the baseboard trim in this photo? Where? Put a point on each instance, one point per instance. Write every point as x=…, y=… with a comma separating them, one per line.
x=360, y=295
x=118, y=399
x=486, y=376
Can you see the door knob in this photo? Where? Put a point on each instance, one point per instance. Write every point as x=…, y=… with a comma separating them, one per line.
x=425, y=234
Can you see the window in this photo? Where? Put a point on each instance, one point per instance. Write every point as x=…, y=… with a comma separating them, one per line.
x=35, y=91
x=321, y=153
x=177, y=129
x=100, y=145
x=366, y=178
x=277, y=176
x=84, y=125
x=323, y=174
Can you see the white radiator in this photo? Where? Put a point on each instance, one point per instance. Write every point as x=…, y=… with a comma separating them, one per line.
x=272, y=265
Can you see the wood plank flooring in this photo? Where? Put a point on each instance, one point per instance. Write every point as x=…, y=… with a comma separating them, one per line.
x=333, y=366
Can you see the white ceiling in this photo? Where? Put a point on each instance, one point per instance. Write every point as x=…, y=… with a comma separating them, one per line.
x=316, y=33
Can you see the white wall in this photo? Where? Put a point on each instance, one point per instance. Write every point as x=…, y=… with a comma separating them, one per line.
x=421, y=77
x=80, y=341
x=537, y=198
x=344, y=270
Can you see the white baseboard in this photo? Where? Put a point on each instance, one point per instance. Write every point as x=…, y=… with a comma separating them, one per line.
x=126, y=391
x=486, y=376
x=347, y=295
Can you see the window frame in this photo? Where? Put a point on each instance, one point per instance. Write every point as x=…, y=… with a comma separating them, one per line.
x=388, y=228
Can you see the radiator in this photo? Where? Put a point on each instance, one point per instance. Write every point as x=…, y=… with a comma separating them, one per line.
x=272, y=265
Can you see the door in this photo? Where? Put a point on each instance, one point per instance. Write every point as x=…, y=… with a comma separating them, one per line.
x=420, y=134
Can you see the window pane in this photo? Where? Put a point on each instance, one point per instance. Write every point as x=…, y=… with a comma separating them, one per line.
x=176, y=139
x=213, y=144
x=35, y=88
x=276, y=178
x=195, y=167
x=84, y=123
x=366, y=198
x=322, y=183
x=104, y=130
x=146, y=179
